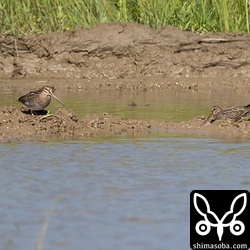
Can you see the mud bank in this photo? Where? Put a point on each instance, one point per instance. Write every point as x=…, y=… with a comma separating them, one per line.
x=123, y=50
x=64, y=124
x=130, y=57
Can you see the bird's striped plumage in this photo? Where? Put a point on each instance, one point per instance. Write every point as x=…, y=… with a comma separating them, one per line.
x=39, y=99
x=233, y=114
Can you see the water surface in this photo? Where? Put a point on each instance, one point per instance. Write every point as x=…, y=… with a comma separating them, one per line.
x=164, y=105
x=111, y=193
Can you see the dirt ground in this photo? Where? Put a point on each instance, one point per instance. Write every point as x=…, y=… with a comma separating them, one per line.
x=123, y=57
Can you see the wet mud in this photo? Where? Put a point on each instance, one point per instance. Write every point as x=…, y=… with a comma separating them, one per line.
x=64, y=124
x=122, y=57
x=121, y=50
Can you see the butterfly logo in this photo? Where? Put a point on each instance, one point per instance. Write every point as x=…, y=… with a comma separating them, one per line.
x=236, y=227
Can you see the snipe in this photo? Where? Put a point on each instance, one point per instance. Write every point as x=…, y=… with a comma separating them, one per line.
x=38, y=100
x=233, y=114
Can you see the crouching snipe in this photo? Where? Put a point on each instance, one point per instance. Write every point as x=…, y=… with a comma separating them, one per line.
x=233, y=114
x=37, y=101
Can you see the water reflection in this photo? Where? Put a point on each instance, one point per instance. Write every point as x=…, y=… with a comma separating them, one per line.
x=111, y=194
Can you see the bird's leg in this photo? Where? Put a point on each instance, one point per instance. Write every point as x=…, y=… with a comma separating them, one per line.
x=34, y=112
x=47, y=115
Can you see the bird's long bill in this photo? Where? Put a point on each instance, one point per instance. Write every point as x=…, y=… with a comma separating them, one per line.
x=207, y=119
x=57, y=99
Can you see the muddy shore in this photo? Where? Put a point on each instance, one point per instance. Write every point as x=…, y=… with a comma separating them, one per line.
x=122, y=57
x=64, y=124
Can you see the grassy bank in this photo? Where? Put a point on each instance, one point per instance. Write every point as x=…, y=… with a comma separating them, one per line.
x=40, y=16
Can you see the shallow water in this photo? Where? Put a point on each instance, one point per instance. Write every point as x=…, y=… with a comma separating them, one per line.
x=162, y=105
x=111, y=193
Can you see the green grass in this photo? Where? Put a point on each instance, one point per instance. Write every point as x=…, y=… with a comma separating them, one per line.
x=42, y=16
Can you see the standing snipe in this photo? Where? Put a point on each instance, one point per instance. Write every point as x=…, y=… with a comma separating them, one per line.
x=233, y=114
x=38, y=100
